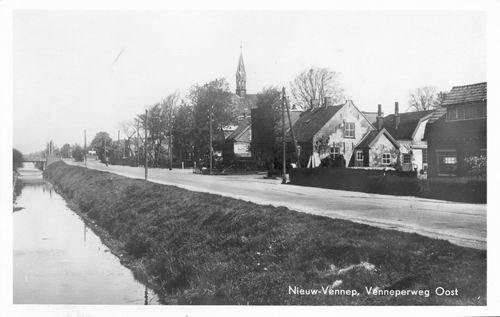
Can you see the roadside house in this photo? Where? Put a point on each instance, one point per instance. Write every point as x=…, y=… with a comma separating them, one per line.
x=377, y=149
x=397, y=142
x=457, y=130
x=237, y=144
x=330, y=130
x=408, y=130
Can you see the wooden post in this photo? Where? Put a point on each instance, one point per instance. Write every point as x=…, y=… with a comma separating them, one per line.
x=85, y=147
x=146, y=146
x=291, y=133
x=210, y=124
x=170, y=144
x=283, y=102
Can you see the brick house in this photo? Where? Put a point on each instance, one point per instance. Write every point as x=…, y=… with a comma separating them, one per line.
x=330, y=130
x=457, y=130
x=377, y=149
x=397, y=142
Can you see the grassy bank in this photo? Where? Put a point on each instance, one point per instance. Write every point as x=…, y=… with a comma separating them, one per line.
x=199, y=248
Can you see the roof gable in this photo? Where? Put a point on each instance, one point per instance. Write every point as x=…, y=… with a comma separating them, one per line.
x=240, y=131
x=312, y=121
x=372, y=138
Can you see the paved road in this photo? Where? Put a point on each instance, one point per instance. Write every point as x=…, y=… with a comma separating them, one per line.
x=462, y=224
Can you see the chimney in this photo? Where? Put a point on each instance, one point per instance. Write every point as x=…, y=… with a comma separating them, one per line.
x=397, y=119
x=380, y=118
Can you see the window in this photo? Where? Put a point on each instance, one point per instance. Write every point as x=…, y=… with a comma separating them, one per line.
x=386, y=158
x=447, y=162
x=463, y=112
x=424, y=156
x=335, y=150
x=359, y=156
x=406, y=159
x=349, y=130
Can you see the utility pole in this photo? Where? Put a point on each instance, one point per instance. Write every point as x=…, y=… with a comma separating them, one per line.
x=137, y=143
x=170, y=144
x=283, y=103
x=292, y=135
x=85, y=147
x=210, y=124
x=146, y=146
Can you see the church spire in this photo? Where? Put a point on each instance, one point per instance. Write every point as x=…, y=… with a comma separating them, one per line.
x=241, y=77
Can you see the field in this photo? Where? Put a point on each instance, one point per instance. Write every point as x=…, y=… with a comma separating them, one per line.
x=198, y=248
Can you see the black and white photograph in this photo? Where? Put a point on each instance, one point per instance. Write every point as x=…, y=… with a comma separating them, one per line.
x=214, y=159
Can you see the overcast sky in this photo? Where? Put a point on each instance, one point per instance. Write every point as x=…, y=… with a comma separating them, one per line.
x=76, y=70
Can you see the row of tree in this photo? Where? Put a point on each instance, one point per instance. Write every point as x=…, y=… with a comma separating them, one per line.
x=180, y=129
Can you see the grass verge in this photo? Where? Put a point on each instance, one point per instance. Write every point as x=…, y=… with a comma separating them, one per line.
x=199, y=248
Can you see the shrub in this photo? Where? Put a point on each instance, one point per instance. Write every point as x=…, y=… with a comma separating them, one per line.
x=475, y=165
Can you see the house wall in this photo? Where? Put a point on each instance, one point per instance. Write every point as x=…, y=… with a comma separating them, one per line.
x=334, y=132
x=242, y=149
x=383, y=145
x=466, y=137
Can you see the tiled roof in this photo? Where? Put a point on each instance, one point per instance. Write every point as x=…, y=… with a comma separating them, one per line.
x=461, y=94
x=407, y=124
x=311, y=121
x=438, y=113
x=372, y=135
x=365, y=143
x=242, y=127
x=467, y=93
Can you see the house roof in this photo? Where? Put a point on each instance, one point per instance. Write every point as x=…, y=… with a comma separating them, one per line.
x=459, y=95
x=312, y=120
x=371, y=116
x=240, y=130
x=407, y=124
x=467, y=93
x=374, y=135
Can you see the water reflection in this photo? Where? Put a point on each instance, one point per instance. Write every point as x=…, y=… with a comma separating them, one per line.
x=54, y=264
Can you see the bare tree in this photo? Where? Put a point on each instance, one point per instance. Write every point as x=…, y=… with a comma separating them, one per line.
x=129, y=130
x=424, y=98
x=314, y=85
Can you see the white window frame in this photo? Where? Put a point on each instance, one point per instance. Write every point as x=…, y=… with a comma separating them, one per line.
x=360, y=156
x=349, y=133
x=384, y=159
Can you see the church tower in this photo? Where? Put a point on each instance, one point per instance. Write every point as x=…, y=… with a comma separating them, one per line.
x=241, y=77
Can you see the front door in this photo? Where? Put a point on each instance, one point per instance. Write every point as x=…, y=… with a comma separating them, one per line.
x=407, y=165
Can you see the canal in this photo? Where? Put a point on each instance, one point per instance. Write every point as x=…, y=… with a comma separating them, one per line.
x=58, y=259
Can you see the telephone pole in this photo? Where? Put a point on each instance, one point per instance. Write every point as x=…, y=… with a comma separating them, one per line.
x=283, y=103
x=85, y=147
x=170, y=145
x=146, y=146
x=210, y=125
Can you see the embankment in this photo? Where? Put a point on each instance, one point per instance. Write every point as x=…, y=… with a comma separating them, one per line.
x=199, y=248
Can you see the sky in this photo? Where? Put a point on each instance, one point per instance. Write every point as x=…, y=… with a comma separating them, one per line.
x=76, y=70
